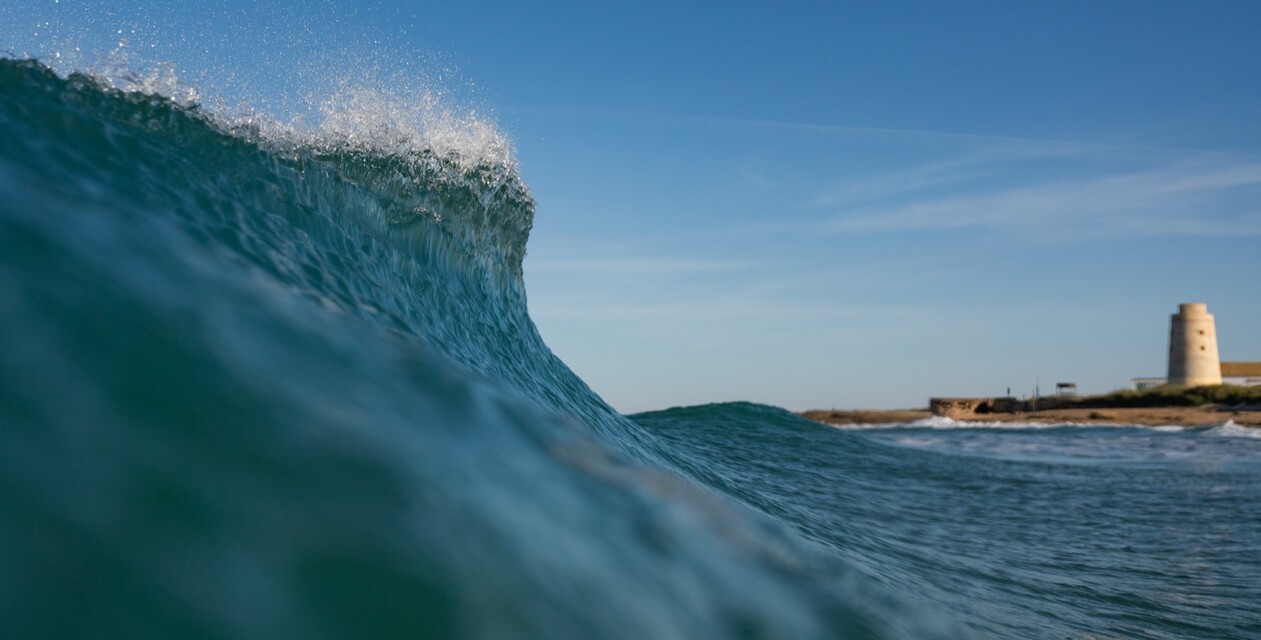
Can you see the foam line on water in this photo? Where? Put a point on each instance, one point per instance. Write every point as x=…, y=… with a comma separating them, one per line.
x=945, y=423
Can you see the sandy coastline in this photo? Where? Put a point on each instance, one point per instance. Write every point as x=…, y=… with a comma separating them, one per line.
x=1152, y=416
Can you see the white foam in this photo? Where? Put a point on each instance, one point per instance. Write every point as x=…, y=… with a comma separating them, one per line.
x=941, y=422
x=1232, y=430
x=944, y=423
x=937, y=422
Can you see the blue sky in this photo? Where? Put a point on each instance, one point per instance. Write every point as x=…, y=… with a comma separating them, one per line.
x=822, y=204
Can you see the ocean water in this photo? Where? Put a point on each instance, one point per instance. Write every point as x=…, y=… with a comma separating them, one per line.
x=260, y=381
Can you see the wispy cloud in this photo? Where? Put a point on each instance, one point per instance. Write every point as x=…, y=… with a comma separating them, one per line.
x=926, y=180
x=1207, y=196
x=971, y=165
x=638, y=266
x=730, y=310
x=904, y=133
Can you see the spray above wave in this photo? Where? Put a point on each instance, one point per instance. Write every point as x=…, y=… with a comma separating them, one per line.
x=391, y=125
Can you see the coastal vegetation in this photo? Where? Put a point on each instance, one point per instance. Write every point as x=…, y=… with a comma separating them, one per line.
x=1165, y=405
x=1176, y=396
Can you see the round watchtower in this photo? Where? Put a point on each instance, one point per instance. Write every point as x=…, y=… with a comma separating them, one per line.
x=1193, y=359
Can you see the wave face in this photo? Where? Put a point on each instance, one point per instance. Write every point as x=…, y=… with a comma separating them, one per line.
x=264, y=383
x=259, y=382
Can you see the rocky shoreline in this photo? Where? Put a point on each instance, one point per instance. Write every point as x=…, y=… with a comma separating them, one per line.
x=1207, y=415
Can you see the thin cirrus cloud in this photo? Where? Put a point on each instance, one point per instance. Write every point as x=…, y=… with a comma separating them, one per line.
x=1051, y=187
x=1056, y=189
x=986, y=161
x=655, y=265
x=1203, y=197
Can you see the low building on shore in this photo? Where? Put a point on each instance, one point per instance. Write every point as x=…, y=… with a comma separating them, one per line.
x=1240, y=374
x=964, y=407
x=1244, y=374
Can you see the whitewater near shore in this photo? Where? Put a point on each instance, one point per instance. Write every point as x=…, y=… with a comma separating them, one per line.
x=1203, y=416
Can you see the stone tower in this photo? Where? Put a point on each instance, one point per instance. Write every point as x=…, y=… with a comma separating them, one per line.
x=1193, y=359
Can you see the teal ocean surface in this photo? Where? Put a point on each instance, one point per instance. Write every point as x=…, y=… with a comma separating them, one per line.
x=261, y=382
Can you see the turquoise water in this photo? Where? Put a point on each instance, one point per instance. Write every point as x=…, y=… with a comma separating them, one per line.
x=258, y=382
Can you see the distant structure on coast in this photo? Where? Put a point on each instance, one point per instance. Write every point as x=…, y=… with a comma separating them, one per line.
x=1193, y=362
x=1193, y=359
x=1193, y=356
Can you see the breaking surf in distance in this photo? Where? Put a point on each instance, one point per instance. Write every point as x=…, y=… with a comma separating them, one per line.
x=271, y=376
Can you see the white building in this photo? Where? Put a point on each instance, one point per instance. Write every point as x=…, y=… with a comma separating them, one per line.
x=1243, y=374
